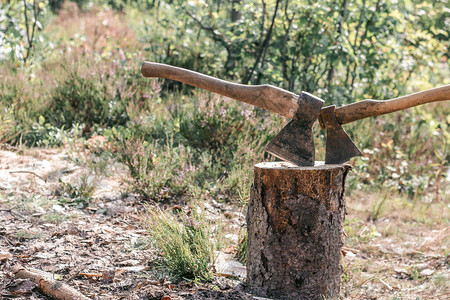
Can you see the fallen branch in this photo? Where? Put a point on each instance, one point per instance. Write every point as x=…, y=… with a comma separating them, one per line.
x=28, y=172
x=47, y=284
x=15, y=214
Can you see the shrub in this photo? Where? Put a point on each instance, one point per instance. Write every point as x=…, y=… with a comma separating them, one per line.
x=217, y=125
x=158, y=173
x=183, y=241
x=84, y=100
x=44, y=134
x=405, y=151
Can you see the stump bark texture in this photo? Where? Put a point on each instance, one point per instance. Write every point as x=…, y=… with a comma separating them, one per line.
x=295, y=219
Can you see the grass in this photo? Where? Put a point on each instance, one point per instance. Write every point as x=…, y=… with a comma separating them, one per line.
x=23, y=234
x=241, y=252
x=53, y=217
x=395, y=248
x=184, y=242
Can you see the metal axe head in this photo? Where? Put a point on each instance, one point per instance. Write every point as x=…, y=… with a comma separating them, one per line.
x=340, y=148
x=295, y=142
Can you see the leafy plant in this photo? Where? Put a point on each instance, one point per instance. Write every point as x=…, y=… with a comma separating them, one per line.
x=44, y=134
x=79, y=195
x=184, y=242
x=20, y=22
x=341, y=50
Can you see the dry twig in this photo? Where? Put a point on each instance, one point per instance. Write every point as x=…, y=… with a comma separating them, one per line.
x=28, y=172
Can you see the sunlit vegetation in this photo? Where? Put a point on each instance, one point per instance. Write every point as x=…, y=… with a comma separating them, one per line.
x=71, y=71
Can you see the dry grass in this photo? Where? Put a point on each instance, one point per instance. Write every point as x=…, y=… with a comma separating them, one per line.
x=400, y=254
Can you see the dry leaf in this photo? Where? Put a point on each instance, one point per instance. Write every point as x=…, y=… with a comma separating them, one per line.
x=229, y=250
x=169, y=286
x=25, y=287
x=5, y=255
x=131, y=269
x=91, y=274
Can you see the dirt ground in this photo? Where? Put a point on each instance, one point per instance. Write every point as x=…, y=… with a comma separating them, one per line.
x=395, y=248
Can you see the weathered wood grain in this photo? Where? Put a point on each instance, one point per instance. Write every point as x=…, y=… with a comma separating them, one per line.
x=371, y=108
x=295, y=220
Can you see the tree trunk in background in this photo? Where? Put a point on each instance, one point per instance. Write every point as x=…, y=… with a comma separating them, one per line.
x=295, y=235
x=235, y=14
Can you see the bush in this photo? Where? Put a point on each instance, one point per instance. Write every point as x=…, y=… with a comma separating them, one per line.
x=86, y=101
x=79, y=195
x=405, y=151
x=158, y=173
x=183, y=241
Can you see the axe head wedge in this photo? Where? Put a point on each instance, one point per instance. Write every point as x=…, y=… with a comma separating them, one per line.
x=295, y=142
x=340, y=147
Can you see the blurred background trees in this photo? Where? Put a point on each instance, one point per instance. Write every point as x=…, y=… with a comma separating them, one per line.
x=345, y=50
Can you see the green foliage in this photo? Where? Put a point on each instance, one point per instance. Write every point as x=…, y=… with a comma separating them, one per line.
x=79, y=195
x=20, y=22
x=184, y=242
x=406, y=151
x=221, y=127
x=214, y=127
x=56, y=5
x=212, y=146
x=44, y=134
x=158, y=173
x=242, y=247
x=342, y=50
x=85, y=101
x=6, y=125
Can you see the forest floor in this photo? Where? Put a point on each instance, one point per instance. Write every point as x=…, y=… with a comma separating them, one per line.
x=395, y=248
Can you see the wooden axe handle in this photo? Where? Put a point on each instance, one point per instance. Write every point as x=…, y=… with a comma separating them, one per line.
x=266, y=96
x=370, y=108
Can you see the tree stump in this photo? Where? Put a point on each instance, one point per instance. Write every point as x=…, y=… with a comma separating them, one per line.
x=295, y=235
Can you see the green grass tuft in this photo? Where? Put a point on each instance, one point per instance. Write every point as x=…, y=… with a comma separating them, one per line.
x=184, y=243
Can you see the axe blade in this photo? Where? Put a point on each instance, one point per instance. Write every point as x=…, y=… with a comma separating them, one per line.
x=294, y=143
x=340, y=147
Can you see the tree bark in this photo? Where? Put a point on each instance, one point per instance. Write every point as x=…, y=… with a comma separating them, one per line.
x=295, y=235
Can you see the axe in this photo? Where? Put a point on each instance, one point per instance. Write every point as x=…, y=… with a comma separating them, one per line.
x=295, y=142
